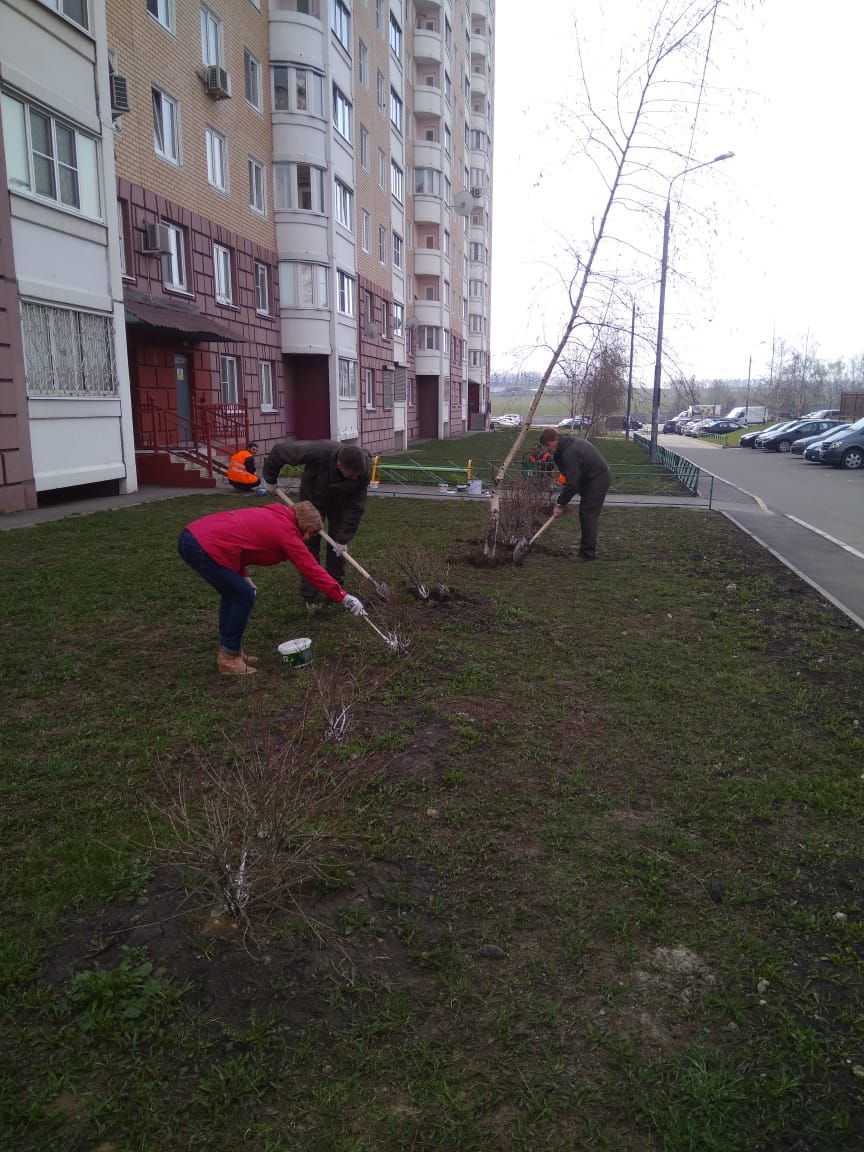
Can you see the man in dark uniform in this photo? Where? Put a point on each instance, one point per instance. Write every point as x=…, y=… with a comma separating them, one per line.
x=335, y=478
x=583, y=470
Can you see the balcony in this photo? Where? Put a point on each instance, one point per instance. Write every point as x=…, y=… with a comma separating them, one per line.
x=428, y=262
x=428, y=46
x=427, y=101
x=427, y=209
x=480, y=8
x=428, y=154
x=479, y=84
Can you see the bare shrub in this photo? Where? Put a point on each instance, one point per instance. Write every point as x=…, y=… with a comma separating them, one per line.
x=426, y=573
x=523, y=509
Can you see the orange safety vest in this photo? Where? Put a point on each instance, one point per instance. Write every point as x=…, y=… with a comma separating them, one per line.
x=237, y=473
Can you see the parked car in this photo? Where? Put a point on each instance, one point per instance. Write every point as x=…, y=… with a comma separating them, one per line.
x=787, y=426
x=720, y=427
x=822, y=414
x=670, y=425
x=799, y=446
x=847, y=449
x=508, y=420
x=574, y=422
x=748, y=440
x=781, y=440
x=813, y=451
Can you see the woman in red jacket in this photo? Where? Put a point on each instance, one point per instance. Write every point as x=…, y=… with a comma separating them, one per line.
x=220, y=547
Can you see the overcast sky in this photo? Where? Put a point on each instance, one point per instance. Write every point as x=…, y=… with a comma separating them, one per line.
x=770, y=240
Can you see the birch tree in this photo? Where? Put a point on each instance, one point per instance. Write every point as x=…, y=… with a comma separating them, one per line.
x=634, y=144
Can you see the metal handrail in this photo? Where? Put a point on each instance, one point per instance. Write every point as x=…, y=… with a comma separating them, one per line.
x=223, y=428
x=686, y=471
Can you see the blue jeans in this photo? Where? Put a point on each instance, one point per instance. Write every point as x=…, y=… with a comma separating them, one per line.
x=237, y=594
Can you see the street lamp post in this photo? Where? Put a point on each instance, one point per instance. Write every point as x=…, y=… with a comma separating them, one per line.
x=749, y=370
x=664, y=265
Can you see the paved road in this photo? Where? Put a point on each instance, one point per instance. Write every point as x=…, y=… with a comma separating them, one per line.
x=811, y=517
x=825, y=498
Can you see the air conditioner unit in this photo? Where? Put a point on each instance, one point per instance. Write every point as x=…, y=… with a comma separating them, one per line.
x=371, y=330
x=119, y=88
x=157, y=238
x=218, y=82
x=477, y=193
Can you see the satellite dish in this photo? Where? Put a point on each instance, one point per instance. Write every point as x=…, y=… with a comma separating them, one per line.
x=463, y=203
x=411, y=323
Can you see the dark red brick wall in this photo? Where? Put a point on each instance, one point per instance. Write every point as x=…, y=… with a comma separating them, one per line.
x=152, y=362
x=376, y=425
x=17, y=487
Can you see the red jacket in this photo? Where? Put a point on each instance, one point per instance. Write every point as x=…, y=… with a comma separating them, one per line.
x=261, y=536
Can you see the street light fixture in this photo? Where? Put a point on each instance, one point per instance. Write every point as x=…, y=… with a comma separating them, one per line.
x=749, y=370
x=658, y=360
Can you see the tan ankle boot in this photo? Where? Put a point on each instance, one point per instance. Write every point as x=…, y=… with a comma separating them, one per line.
x=250, y=659
x=230, y=665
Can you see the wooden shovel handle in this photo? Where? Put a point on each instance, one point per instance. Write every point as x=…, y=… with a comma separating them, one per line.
x=541, y=530
x=286, y=499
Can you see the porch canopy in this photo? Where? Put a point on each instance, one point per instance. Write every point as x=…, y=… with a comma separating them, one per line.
x=168, y=319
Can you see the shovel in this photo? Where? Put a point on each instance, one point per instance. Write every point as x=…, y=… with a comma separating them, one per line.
x=523, y=546
x=382, y=590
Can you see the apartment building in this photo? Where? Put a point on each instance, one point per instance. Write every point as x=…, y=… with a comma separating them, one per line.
x=299, y=230
x=65, y=415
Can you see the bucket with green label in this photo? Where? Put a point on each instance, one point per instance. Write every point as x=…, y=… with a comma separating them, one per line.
x=296, y=653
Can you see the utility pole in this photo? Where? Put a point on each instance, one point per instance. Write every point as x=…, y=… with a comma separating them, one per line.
x=630, y=373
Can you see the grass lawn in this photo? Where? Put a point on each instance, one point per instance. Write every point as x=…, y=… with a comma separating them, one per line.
x=601, y=889
x=631, y=472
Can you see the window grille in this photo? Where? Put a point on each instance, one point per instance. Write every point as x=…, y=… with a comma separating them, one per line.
x=67, y=353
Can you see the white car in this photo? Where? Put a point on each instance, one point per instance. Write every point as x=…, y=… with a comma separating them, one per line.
x=508, y=420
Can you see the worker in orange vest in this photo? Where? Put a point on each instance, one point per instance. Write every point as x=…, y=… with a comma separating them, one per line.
x=241, y=473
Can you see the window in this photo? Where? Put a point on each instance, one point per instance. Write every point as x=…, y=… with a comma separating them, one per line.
x=378, y=7
x=174, y=260
x=448, y=136
x=365, y=231
x=400, y=379
x=476, y=324
x=211, y=37
x=427, y=181
x=448, y=33
x=344, y=205
x=478, y=178
x=50, y=159
x=217, y=168
x=341, y=114
x=222, y=274
x=395, y=110
x=385, y=319
x=298, y=90
x=228, y=376
x=340, y=23
x=395, y=37
x=265, y=381
x=262, y=289
x=121, y=230
x=428, y=338
x=478, y=140
x=448, y=87
x=474, y=359
x=298, y=187
x=430, y=292
x=379, y=91
x=364, y=149
x=347, y=379
x=387, y=388
x=382, y=169
x=345, y=294
x=303, y=285
x=446, y=242
x=445, y=346
x=67, y=353
x=398, y=319
x=162, y=12
x=397, y=182
x=369, y=386
x=252, y=74
x=75, y=10
x=476, y=289
x=397, y=250
x=166, y=137
x=257, y=199
x=478, y=253
x=363, y=64
x=369, y=308
x=382, y=244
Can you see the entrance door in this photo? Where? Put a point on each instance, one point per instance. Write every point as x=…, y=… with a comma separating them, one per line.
x=183, y=390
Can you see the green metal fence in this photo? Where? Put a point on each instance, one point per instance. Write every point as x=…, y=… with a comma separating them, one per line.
x=685, y=471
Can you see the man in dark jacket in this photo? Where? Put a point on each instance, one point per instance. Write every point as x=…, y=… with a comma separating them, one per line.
x=335, y=478
x=583, y=470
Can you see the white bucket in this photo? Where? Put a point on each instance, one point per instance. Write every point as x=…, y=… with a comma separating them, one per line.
x=475, y=487
x=296, y=653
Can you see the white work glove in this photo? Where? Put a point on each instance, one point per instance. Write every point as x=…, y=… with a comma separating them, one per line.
x=268, y=487
x=354, y=606
x=249, y=581
x=339, y=549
